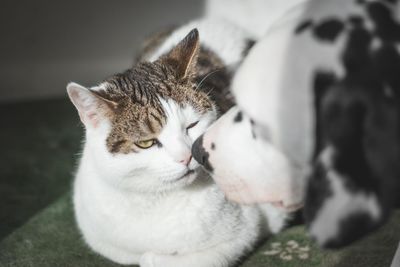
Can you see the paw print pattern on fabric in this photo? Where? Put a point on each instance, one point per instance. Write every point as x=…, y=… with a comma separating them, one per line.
x=288, y=251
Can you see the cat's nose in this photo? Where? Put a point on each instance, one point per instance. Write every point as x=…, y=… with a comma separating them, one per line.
x=186, y=160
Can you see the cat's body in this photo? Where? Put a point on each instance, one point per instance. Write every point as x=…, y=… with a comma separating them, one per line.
x=138, y=195
x=194, y=226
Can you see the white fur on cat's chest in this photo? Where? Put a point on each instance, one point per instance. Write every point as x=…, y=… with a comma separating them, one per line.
x=164, y=226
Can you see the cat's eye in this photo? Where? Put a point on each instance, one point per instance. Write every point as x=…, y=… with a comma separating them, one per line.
x=192, y=125
x=146, y=143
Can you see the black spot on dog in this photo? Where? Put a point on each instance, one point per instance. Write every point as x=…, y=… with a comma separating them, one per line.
x=351, y=228
x=387, y=28
x=238, y=117
x=317, y=191
x=356, y=20
x=328, y=30
x=200, y=154
x=249, y=44
x=322, y=82
x=303, y=26
x=360, y=2
x=387, y=64
x=391, y=1
x=356, y=55
x=212, y=146
x=343, y=124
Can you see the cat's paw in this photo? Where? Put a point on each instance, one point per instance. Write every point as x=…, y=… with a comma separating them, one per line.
x=151, y=259
x=148, y=259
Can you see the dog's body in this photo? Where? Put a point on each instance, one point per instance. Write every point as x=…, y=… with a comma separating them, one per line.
x=318, y=105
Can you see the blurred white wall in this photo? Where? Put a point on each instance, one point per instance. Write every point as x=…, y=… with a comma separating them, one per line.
x=255, y=16
x=44, y=44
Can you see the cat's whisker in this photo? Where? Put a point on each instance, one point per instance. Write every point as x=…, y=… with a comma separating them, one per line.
x=209, y=92
x=208, y=75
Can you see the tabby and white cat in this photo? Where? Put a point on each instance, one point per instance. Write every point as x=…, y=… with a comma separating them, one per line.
x=139, y=197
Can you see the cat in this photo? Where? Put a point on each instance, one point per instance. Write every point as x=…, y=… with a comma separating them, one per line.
x=139, y=197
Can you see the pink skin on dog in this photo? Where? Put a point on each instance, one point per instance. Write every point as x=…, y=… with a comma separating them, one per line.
x=249, y=169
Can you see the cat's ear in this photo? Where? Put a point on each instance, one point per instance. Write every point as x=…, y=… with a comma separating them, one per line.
x=183, y=57
x=91, y=106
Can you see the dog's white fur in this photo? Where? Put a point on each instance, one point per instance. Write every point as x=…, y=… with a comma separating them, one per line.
x=250, y=169
x=274, y=87
x=134, y=208
x=267, y=97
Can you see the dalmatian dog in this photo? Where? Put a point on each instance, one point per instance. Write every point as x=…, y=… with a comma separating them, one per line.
x=317, y=119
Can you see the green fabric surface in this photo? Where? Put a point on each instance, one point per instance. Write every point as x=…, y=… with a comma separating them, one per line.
x=52, y=239
x=39, y=143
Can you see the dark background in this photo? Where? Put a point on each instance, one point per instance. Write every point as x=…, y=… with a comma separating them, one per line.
x=44, y=45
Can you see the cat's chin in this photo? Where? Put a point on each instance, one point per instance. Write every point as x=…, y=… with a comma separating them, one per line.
x=187, y=178
x=186, y=175
x=184, y=180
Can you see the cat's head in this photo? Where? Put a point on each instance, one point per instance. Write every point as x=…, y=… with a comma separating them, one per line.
x=140, y=124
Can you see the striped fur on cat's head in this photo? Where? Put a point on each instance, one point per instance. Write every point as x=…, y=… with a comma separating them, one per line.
x=140, y=124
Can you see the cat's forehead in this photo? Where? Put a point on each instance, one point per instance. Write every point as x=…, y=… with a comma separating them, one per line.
x=141, y=94
x=139, y=84
x=148, y=82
